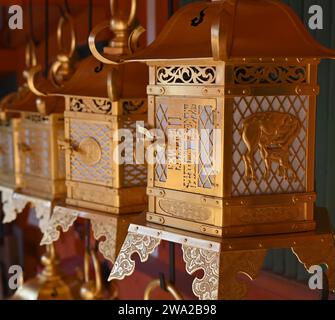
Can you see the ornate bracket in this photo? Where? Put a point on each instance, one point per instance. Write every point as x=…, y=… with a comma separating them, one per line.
x=208, y=261
x=247, y=262
x=16, y=203
x=107, y=230
x=10, y=213
x=143, y=245
x=317, y=254
x=61, y=218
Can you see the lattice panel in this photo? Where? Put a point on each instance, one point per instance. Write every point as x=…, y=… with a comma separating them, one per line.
x=61, y=155
x=134, y=175
x=6, y=150
x=206, y=147
x=101, y=172
x=36, y=161
x=162, y=124
x=244, y=108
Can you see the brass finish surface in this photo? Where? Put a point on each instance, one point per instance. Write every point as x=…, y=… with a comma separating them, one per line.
x=223, y=259
x=50, y=283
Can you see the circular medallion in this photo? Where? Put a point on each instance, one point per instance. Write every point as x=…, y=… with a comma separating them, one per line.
x=90, y=151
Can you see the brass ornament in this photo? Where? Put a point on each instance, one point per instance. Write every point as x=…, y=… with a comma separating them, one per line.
x=156, y=284
x=92, y=289
x=50, y=283
x=90, y=151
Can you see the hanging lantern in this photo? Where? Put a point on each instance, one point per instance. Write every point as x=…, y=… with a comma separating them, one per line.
x=40, y=165
x=236, y=82
x=101, y=100
x=7, y=163
x=9, y=120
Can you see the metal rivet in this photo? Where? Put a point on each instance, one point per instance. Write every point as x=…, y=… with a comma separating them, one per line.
x=204, y=229
x=230, y=247
x=185, y=240
x=260, y=245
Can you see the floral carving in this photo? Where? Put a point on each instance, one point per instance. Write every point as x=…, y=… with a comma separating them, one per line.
x=196, y=259
x=186, y=75
x=86, y=105
x=62, y=218
x=269, y=74
x=135, y=243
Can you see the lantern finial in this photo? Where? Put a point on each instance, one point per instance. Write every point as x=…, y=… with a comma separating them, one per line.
x=126, y=37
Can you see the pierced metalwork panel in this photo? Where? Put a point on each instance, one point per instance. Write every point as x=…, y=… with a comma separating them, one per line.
x=187, y=75
x=188, y=126
x=87, y=105
x=6, y=150
x=97, y=137
x=134, y=175
x=270, y=75
x=34, y=149
x=269, y=145
x=61, y=155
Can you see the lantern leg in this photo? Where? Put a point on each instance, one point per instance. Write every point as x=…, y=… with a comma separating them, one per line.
x=317, y=253
x=221, y=270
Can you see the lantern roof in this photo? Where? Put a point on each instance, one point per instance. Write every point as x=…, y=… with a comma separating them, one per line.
x=91, y=80
x=24, y=100
x=234, y=29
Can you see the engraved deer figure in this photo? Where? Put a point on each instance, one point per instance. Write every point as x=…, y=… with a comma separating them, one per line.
x=272, y=133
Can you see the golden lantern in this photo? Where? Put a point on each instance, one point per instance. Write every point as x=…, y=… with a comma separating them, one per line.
x=7, y=163
x=232, y=89
x=39, y=164
x=99, y=101
x=238, y=79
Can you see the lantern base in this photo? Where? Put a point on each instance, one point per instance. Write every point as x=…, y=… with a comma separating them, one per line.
x=107, y=200
x=235, y=231
x=232, y=217
x=220, y=260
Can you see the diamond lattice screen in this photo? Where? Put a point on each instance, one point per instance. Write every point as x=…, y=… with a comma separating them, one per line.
x=6, y=150
x=100, y=173
x=134, y=175
x=36, y=161
x=245, y=107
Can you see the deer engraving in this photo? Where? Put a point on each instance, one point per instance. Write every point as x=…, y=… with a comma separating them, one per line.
x=272, y=133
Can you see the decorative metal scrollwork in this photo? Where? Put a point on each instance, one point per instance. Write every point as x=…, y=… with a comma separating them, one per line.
x=186, y=75
x=269, y=74
x=101, y=106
